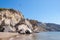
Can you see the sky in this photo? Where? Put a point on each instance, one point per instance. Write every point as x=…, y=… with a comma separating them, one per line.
x=46, y=11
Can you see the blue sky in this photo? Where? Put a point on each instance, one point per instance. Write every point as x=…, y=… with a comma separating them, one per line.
x=42, y=10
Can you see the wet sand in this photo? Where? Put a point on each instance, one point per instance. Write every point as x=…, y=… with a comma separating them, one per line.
x=16, y=36
x=7, y=35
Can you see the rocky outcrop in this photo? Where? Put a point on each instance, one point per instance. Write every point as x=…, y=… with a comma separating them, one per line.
x=13, y=21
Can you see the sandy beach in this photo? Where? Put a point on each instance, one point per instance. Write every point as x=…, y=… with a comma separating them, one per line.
x=7, y=35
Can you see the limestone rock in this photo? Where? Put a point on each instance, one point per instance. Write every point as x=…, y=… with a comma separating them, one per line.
x=13, y=21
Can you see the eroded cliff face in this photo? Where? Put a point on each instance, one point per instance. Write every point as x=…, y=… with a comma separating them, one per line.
x=13, y=21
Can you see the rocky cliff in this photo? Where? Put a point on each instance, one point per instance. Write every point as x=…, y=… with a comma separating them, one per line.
x=44, y=27
x=13, y=21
